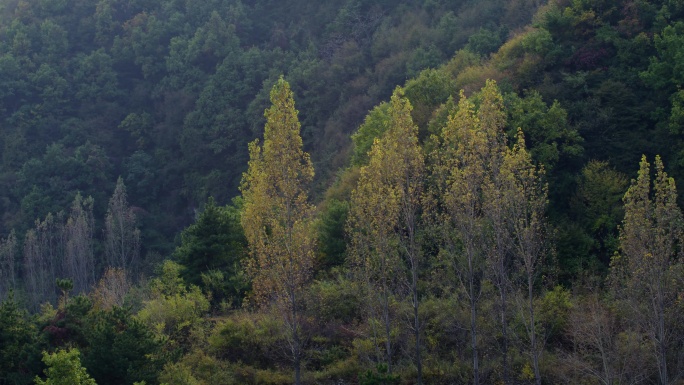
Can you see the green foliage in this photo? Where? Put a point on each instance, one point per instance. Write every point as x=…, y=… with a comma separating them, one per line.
x=665, y=70
x=336, y=300
x=600, y=191
x=538, y=41
x=198, y=368
x=249, y=339
x=677, y=115
x=65, y=285
x=426, y=92
x=373, y=127
x=379, y=377
x=548, y=133
x=587, y=243
x=423, y=58
x=331, y=234
x=211, y=252
x=64, y=368
x=139, y=126
x=178, y=374
x=643, y=273
x=19, y=352
x=171, y=94
x=486, y=41
x=168, y=95
x=141, y=172
x=121, y=349
x=49, y=182
x=173, y=308
x=554, y=309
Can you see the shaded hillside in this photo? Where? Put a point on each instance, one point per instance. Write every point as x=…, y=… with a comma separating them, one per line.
x=167, y=94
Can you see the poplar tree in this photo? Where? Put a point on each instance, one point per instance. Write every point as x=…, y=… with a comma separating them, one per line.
x=463, y=149
x=122, y=237
x=43, y=257
x=471, y=154
x=498, y=238
x=492, y=201
x=79, y=258
x=277, y=217
x=525, y=197
x=647, y=271
x=385, y=218
x=8, y=271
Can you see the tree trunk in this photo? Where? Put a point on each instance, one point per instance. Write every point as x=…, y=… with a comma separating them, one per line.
x=662, y=345
x=533, y=331
x=388, y=333
x=473, y=333
x=298, y=370
x=416, y=329
x=504, y=336
x=296, y=343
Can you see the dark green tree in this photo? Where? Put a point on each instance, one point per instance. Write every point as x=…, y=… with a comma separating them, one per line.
x=215, y=243
x=331, y=234
x=121, y=349
x=65, y=285
x=19, y=351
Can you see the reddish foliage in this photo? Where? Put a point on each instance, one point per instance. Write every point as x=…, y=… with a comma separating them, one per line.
x=588, y=58
x=57, y=333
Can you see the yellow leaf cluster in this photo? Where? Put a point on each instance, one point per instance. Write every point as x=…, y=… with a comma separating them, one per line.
x=277, y=216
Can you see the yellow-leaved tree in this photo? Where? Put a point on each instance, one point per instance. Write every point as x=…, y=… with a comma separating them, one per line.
x=277, y=217
x=492, y=201
x=525, y=198
x=383, y=224
x=647, y=272
x=470, y=158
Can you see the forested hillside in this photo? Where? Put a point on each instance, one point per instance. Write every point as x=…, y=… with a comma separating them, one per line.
x=351, y=192
x=167, y=94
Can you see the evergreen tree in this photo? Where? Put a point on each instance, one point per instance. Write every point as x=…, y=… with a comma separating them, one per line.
x=215, y=244
x=19, y=353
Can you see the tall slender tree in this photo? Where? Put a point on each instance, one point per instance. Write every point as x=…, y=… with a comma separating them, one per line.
x=79, y=258
x=498, y=231
x=43, y=257
x=526, y=195
x=385, y=218
x=277, y=217
x=8, y=271
x=122, y=237
x=647, y=271
x=472, y=153
x=464, y=146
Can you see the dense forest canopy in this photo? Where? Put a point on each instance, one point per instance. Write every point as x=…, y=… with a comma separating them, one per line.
x=167, y=94
x=350, y=192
